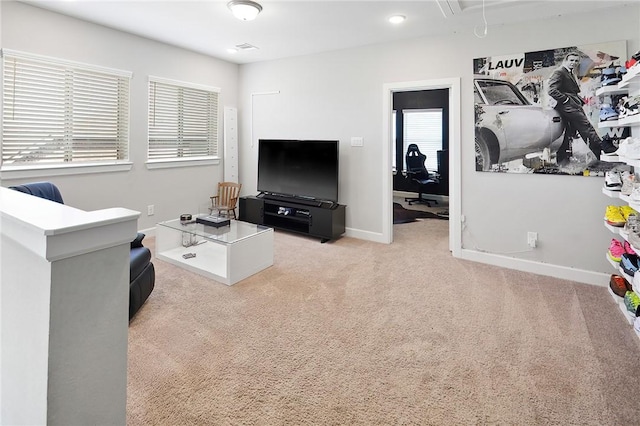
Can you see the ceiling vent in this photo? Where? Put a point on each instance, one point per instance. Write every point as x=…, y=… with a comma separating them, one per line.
x=246, y=46
x=449, y=7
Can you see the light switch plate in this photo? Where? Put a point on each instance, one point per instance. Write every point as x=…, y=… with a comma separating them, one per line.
x=357, y=141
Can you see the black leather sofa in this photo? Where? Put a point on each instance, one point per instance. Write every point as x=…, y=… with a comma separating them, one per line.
x=142, y=274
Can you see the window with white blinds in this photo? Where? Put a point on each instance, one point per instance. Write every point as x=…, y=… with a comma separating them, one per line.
x=62, y=112
x=424, y=128
x=183, y=120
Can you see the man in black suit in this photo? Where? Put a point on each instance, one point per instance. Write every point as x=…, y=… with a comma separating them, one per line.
x=564, y=88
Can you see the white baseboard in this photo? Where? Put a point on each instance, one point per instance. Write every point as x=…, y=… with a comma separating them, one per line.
x=556, y=271
x=376, y=237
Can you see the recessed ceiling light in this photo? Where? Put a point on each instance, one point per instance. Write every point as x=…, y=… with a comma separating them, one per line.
x=397, y=19
x=232, y=50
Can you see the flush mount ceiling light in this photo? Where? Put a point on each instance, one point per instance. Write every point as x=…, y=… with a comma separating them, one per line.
x=397, y=19
x=245, y=10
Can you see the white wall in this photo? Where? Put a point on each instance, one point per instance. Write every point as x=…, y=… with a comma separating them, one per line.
x=171, y=191
x=339, y=94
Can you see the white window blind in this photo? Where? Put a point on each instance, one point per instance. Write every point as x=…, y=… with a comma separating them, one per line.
x=62, y=112
x=183, y=120
x=424, y=128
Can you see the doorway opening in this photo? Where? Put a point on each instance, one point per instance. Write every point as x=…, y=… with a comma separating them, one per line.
x=395, y=150
x=420, y=153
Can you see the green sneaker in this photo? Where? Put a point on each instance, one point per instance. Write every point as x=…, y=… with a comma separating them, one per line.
x=631, y=302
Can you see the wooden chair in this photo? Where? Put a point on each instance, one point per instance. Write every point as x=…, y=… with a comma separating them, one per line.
x=226, y=199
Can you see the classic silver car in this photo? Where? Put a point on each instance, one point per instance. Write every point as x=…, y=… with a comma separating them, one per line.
x=508, y=126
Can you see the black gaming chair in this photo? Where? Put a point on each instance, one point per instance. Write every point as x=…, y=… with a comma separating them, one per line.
x=419, y=174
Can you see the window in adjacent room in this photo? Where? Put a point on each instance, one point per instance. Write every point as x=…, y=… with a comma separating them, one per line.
x=62, y=113
x=394, y=139
x=424, y=128
x=183, y=121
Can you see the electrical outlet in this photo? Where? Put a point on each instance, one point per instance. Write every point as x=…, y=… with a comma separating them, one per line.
x=532, y=239
x=150, y=210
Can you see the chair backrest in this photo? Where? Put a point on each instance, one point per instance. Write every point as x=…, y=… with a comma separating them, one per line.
x=228, y=193
x=45, y=190
x=415, y=162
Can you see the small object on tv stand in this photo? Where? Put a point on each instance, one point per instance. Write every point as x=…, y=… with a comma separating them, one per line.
x=215, y=221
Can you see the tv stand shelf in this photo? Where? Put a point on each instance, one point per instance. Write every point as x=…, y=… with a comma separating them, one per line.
x=326, y=223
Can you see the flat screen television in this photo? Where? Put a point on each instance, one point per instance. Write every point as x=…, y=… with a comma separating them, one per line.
x=299, y=168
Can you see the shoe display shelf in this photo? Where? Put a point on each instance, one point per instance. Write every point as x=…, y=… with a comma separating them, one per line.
x=630, y=84
x=630, y=317
x=620, y=302
x=610, y=158
x=634, y=120
x=631, y=80
x=609, y=123
x=615, y=229
x=610, y=193
x=611, y=90
x=629, y=161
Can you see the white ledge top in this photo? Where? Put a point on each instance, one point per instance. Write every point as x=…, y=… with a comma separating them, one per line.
x=54, y=218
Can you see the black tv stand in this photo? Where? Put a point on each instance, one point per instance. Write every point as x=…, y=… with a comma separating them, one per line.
x=326, y=221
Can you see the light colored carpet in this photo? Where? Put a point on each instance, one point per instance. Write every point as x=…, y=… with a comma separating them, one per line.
x=359, y=333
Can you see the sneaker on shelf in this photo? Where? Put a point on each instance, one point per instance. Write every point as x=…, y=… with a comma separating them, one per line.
x=628, y=248
x=622, y=70
x=622, y=107
x=631, y=302
x=608, y=146
x=635, y=283
x=614, y=216
x=609, y=76
x=623, y=145
x=616, y=250
x=627, y=211
x=627, y=186
x=632, y=225
x=629, y=263
x=612, y=181
x=634, y=239
x=632, y=149
x=607, y=113
x=635, y=193
x=632, y=106
x=619, y=285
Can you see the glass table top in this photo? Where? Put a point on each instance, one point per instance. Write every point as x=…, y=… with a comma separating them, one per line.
x=228, y=234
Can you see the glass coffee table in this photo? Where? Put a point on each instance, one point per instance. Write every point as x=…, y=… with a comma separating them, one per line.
x=227, y=254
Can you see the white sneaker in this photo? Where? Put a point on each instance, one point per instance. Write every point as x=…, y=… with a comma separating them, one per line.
x=632, y=148
x=612, y=181
x=622, y=147
x=635, y=194
x=628, y=179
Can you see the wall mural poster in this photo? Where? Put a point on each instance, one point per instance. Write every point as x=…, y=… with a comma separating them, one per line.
x=533, y=116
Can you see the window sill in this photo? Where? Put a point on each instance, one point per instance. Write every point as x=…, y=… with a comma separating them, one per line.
x=182, y=162
x=27, y=172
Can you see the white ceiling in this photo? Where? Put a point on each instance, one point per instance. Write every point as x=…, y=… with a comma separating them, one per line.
x=300, y=27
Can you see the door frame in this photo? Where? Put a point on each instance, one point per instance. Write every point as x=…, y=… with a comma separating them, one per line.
x=455, y=225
